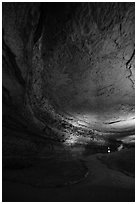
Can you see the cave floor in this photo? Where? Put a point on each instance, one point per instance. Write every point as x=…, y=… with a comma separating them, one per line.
x=101, y=178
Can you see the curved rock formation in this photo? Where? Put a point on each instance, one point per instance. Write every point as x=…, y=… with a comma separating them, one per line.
x=68, y=69
x=68, y=94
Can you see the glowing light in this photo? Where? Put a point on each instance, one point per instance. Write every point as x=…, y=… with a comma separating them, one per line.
x=109, y=150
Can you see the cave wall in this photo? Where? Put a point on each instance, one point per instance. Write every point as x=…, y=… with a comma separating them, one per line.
x=88, y=71
x=78, y=63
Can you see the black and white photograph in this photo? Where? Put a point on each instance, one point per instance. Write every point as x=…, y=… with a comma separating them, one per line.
x=68, y=101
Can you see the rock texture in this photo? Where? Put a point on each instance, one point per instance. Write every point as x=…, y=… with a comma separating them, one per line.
x=68, y=101
x=70, y=74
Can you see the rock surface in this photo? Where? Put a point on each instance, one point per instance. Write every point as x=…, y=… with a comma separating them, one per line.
x=75, y=66
x=68, y=93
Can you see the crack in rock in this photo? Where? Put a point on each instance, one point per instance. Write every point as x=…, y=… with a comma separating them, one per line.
x=129, y=68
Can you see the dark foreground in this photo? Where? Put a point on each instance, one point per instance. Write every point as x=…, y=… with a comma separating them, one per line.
x=93, y=178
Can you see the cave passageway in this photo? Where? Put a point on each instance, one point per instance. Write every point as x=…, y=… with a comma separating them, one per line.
x=68, y=99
